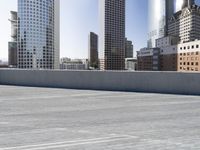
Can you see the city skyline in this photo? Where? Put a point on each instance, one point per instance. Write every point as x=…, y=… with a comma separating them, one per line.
x=77, y=21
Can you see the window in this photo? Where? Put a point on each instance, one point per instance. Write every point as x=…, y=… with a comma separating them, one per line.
x=192, y=46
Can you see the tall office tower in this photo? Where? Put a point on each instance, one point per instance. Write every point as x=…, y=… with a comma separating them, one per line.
x=112, y=34
x=185, y=24
x=159, y=12
x=188, y=3
x=38, y=34
x=12, y=45
x=93, y=50
x=128, y=49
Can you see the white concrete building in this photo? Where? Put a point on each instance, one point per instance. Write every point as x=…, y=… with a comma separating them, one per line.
x=74, y=64
x=131, y=64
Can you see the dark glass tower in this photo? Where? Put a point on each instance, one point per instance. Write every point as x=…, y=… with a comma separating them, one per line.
x=112, y=34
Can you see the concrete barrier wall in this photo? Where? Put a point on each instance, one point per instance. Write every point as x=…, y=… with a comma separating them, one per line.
x=159, y=82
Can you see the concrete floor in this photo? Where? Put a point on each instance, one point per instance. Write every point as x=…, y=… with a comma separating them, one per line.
x=62, y=119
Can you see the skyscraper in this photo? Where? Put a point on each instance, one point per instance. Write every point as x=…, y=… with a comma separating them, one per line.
x=184, y=24
x=12, y=45
x=93, y=50
x=38, y=34
x=159, y=12
x=188, y=3
x=128, y=49
x=112, y=34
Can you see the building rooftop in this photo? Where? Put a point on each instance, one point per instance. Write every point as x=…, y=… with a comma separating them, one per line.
x=49, y=118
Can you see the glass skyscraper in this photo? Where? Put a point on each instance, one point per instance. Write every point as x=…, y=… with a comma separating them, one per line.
x=38, y=34
x=159, y=12
x=112, y=34
x=12, y=45
x=188, y=3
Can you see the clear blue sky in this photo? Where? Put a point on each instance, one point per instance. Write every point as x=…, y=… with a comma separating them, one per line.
x=78, y=18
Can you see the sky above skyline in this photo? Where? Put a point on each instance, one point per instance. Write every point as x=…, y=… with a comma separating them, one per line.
x=78, y=18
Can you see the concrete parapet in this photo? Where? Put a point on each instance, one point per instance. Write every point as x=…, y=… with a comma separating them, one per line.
x=156, y=82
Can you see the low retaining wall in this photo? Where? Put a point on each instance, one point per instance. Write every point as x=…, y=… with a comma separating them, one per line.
x=158, y=82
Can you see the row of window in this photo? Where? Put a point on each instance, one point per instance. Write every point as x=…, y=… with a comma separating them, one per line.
x=189, y=69
x=189, y=63
x=189, y=47
x=188, y=54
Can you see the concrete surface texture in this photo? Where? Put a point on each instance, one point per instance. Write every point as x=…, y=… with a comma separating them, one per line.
x=61, y=119
x=160, y=82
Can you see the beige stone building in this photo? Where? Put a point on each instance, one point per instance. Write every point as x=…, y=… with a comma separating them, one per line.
x=189, y=56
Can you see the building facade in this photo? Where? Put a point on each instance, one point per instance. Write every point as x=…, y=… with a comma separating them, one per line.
x=74, y=64
x=38, y=34
x=181, y=57
x=112, y=34
x=131, y=64
x=189, y=56
x=168, y=53
x=185, y=24
x=93, y=50
x=148, y=59
x=12, y=45
x=179, y=50
x=128, y=49
x=159, y=11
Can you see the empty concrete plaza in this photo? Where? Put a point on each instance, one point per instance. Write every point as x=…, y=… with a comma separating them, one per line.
x=62, y=119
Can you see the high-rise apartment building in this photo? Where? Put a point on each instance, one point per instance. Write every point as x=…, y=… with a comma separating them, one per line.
x=38, y=34
x=93, y=50
x=159, y=11
x=128, y=49
x=12, y=45
x=112, y=34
